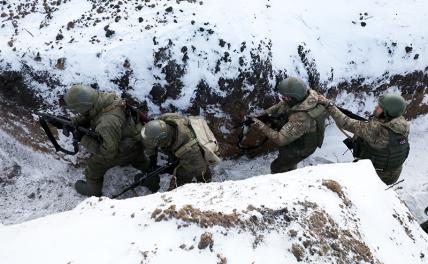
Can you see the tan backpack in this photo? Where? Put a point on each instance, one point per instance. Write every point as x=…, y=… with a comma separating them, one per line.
x=206, y=139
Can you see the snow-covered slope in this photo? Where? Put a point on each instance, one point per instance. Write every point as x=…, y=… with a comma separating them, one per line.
x=168, y=52
x=319, y=214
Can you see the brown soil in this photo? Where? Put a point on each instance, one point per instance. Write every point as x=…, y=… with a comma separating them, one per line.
x=206, y=240
x=334, y=186
x=321, y=237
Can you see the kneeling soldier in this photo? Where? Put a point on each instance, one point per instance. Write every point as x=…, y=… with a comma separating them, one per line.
x=383, y=139
x=304, y=126
x=120, y=142
x=172, y=134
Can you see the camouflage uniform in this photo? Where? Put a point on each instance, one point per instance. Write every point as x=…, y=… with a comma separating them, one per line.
x=301, y=134
x=181, y=144
x=376, y=133
x=121, y=142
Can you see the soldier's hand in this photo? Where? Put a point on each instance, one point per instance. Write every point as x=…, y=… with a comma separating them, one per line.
x=258, y=123
x=324, y=101
x=248, y=121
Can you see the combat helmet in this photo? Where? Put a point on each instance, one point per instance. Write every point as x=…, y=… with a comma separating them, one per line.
x=81, y=98
x=293, y=87
x=154, y=132
x=393, y=105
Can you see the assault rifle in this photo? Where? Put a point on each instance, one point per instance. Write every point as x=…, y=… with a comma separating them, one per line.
x=349, y=142
x=352, y=115
x=149, y=175
x=276, y=121
x=67, y=127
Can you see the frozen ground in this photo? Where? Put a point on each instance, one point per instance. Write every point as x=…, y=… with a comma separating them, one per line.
x=35, y=184
x=156, y=45
x=320, y=214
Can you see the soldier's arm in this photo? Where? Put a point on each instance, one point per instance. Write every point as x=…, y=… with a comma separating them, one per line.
x=110, y=131
x=298, y=125
x=361, y=129
x=80, y=120
x=271, y=110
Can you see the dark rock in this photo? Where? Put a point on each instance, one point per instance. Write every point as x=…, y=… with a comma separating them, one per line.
x=60, y=64
x=108, y=31
x=416, y=57
x=70, y=25
x=408, y=49
x=363, y=24
x=59, y=37
x=169, y=9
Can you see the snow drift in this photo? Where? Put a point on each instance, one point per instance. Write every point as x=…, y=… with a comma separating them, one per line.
x=321, y=214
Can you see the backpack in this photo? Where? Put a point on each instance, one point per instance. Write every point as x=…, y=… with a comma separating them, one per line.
x=205, y=138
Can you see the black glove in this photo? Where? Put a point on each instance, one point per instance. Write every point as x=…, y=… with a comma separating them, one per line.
x=248, y=121
x=77, y=135
x=153, y=162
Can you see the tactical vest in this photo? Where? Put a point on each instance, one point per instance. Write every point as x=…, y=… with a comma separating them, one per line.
x=316, y=138
x=391, y=157
x=184, y=132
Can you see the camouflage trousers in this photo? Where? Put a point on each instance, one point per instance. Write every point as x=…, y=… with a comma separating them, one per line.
x=192, y=167
x=97, y=166
x=289, y=157
x=389, y=176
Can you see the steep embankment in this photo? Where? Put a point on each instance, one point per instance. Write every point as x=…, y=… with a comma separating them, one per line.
x=313, y=215
x=216, y=58
x=220, y=59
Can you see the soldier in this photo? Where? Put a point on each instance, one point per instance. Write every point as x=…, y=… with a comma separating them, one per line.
x=383, y=140
x=173, y=135
x=120, y=135
x=303, y=132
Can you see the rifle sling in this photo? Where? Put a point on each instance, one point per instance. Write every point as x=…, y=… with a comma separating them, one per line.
x=48, y=132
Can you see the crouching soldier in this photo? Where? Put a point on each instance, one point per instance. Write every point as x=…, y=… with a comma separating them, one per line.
x=120, y=142
x=383, y=139
x=303, y=124
x=173, y=135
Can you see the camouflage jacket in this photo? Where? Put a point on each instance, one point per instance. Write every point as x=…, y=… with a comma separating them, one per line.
x=180, y=133
x=375, y=132
x=108, y=119
x=299, y=122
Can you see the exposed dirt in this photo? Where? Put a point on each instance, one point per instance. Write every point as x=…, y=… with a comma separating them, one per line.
x=17, y=102
x=334, y=186
x=206, y=240
x=320, y=235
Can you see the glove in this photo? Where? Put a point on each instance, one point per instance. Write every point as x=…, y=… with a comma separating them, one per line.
x=324, y=101
x=248, y=121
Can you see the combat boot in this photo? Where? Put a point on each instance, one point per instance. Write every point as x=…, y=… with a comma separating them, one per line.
x=83, y=188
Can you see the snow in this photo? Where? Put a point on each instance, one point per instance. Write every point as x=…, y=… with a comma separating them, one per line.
x=341, y=49
x=340, y=46
x=113, y=231
x=43, y=175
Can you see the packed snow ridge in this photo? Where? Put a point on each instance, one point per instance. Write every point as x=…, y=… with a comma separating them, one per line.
x=320, y=214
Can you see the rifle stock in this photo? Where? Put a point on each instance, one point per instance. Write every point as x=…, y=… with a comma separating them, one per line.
x=352, y=115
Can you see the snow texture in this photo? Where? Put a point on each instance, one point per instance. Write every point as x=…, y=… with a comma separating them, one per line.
x=90, y=41
x=264, y=219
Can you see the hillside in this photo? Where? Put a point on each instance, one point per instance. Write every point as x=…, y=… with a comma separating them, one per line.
x=316, y=214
